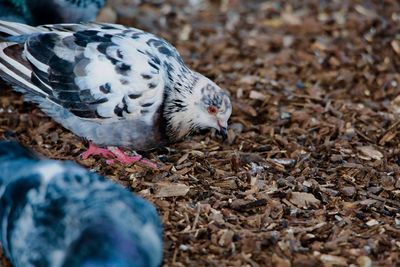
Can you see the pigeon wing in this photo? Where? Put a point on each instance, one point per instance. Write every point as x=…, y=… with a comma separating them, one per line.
x=97, y=73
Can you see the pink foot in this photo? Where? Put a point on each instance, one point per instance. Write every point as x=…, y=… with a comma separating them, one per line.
x=123, y=157
x=95, y=150
x=148, y=163
x=113, y=154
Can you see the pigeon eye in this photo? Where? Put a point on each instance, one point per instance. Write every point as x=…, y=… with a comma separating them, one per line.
x=212, y=110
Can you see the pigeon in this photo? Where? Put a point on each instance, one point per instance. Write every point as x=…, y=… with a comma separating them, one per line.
x=8, y=12
x=58, y=214
x=36, y=12
x=117, y=87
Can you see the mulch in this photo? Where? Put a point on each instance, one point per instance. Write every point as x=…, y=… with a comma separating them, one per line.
x=309, y=175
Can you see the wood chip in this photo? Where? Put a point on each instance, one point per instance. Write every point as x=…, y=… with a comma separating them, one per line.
x=303, y=200
x=370, y=152
x=279, y=261
x=257, y=95
x=332, y=261
x=171, y=190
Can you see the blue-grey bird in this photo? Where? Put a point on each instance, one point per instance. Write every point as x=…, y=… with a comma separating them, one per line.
x=37, y=12
x=57, y=214
x=113, y=85
x=10, y=13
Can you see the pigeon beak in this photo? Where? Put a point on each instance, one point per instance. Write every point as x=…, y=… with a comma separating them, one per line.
x=223, y=130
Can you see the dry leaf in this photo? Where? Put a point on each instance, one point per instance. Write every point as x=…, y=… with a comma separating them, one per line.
x=364, y=11
x=249, y=79
x=226, y=238
x=364, y=261
x=257, y=95
x=332, y=261
x=291, y=19
x=246, y=108
x=370, y=152
x=303, y=200
x=396, y=46
x=107, y=15
x=280, y=262
x=171, y=190
x=372, y=222
x=395, y=105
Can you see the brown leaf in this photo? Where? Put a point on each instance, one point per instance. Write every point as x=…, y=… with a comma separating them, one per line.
x=364, y=261
x=396, y=46
x=241, y=205
x=280, y=262
x=332, y=261
x=171, y=190
x=245, y=108
x=303, y=200
x=249, y=79
x=370, y=152
x=226, y=238
x=257, y=95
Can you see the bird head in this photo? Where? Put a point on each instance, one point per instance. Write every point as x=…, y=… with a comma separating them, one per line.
x=204, y=106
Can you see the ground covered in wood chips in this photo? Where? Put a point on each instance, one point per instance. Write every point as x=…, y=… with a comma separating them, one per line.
x=309, y=175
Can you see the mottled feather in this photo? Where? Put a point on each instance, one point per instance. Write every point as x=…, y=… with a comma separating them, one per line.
x=56, y=213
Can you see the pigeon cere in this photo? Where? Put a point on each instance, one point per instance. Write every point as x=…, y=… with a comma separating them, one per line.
x=199, y=133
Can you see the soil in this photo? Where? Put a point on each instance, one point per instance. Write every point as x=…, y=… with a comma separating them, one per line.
x=309, y=175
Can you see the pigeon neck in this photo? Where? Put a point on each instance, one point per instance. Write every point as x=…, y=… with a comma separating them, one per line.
x=177, y=107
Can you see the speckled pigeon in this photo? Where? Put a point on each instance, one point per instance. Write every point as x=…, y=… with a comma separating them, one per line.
x=36, y=12
x=57, y=214
x=112, y=85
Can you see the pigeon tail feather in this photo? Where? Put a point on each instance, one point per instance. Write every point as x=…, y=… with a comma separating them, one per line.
x=13, y=67
x=8, y=28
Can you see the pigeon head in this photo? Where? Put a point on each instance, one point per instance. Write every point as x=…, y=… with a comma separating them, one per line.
x=212, y=106
x=204, y=106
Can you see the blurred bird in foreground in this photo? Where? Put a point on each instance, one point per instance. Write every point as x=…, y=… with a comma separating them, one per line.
x=37, y=12
x=115, y=86
x=57, y=214
x=10, y=13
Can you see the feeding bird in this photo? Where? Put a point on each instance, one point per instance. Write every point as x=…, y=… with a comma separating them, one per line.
x=57, y=214
x=36, y=12
x=9, y=13
x=116, y=86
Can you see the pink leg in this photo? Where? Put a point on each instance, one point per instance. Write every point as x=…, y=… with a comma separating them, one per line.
x=95, y=150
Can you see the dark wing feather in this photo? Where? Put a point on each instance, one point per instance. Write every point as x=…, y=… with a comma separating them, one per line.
x=65, y=63
x=55, y=75
x=95, y=71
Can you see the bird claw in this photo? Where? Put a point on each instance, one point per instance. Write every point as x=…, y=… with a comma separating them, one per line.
x=148, y=163
x=113, y=154
x=94, y=150
x=122, y=157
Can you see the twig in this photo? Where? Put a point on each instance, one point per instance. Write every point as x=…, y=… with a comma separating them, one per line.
x=396, y=203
